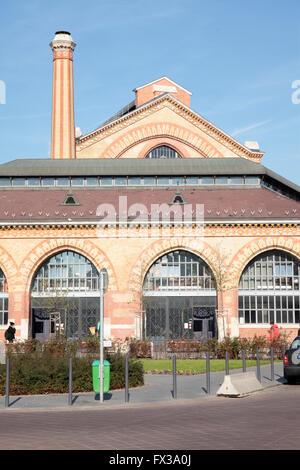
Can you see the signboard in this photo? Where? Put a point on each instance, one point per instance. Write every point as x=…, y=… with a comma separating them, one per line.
x=107, y=344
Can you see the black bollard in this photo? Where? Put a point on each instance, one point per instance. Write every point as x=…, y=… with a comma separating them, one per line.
x=70, y=382
x=126, y=379
x=227, y=363
x=244, y=360
x=258, y=366
x=7, y=380
x=174, y=378
x=208, y=373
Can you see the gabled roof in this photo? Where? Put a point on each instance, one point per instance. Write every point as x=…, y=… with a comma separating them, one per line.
x=158, y=80
x=198, y=120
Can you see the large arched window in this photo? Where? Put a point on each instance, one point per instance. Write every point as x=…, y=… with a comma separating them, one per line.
x=3, y=299
x=65, y=297
x=163, y=151
x=269, y=289
x=179, y=297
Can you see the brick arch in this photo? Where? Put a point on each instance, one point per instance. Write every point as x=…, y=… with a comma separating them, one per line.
x=153, y=143
x=161, y=130
x=48, y=248
x=255, y=247
x=159, y=248
x=9, y=267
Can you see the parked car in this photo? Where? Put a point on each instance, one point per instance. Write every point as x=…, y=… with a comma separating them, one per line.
x=291, y=363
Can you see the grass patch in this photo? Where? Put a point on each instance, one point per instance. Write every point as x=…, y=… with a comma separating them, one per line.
x=195, y=366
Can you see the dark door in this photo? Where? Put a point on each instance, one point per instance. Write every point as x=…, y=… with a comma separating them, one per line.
x=204, y=323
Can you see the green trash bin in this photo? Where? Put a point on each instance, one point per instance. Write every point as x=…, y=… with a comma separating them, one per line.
x=96, y=378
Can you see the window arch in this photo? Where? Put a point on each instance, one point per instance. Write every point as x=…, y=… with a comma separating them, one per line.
x=179, y=270
x=179, y=298
x=269, y=289
x=65, y=297
x=163, y=151
x=3, y=299
x=66, y=272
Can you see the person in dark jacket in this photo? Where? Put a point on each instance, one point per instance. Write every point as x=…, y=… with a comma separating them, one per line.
x=10, y=332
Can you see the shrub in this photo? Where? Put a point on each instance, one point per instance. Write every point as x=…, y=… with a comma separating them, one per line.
x=140, y=348
x=42, y=368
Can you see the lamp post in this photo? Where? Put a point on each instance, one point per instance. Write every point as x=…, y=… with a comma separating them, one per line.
x=103, y=273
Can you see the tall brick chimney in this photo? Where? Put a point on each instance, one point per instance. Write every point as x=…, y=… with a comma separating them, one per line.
x=63, y=126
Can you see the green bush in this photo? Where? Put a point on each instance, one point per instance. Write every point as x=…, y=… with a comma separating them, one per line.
x=42, y=368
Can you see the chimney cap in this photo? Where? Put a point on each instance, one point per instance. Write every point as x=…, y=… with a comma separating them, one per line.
x=63, y=32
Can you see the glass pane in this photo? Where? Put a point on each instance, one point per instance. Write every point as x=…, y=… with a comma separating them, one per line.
x=134, y=180
x=48, y=181
x=236, y=180
x=4, y=181
x=177, y=180
x=252, y=180
x=77, y=181
x=106, y=181
x=33, y=181
x=19, y=181
x=163, y=180
x=192, y=180
x=149, y=180
x=221, y=179
x=120, y=180
x=207, y=180
x=91, y=181
x=62, y=181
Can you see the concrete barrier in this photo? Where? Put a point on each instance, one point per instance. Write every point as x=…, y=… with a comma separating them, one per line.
x=238, y=385
x=2, y=352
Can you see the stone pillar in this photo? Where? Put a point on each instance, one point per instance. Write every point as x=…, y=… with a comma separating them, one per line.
x=227, y=315
x=63, y=125
x=122, y=315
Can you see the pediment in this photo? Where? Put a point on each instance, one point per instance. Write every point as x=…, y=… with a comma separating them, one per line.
x=172, y=118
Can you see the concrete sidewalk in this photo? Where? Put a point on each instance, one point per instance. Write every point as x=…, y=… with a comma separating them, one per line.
x=157, y=388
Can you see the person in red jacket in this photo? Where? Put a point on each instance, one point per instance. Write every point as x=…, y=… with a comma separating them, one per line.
x=274, y=331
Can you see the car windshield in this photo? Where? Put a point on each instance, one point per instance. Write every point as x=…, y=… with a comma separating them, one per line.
x=296, y=343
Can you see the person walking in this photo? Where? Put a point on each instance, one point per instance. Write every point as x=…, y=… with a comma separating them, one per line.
x=274, y=331
x=10, y=332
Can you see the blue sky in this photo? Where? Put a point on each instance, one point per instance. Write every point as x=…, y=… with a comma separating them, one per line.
x=239, y=59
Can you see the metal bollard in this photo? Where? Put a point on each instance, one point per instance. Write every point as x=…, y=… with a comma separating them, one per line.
x=272, y=364
x=258, y=375
x=227, y=363
x=126, y=379
x=70, y=381
x=7, y=383
x=174, y=378
x=208, y=373
x=244, y=360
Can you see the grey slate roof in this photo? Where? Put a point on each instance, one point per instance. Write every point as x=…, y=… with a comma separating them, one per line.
x=139, y=167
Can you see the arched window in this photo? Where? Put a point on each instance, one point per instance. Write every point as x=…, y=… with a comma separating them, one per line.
x=65, y=297
x=269, y=289
x=66, y=273
x=179, y=295
x=3, y=299
x=163, y=151
x=179, y=270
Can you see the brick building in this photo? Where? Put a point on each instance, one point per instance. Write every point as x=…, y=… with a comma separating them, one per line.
x=197, y=237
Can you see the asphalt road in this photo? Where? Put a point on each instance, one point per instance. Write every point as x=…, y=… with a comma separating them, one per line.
x=265, y=420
